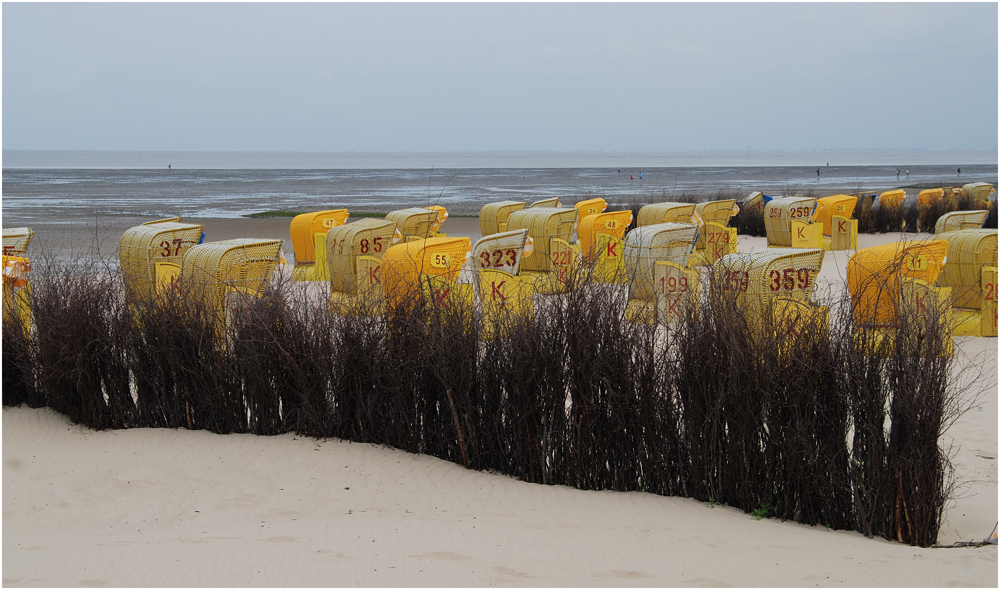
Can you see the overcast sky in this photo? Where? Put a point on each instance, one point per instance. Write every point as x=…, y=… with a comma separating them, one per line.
x=388, y=77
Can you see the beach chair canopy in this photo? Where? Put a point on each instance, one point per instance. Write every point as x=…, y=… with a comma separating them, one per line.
x=780, y=213
x=959, y=220
x=413, y=222
x=16, y=240
x=979, y=191
x=543, y=224
x=717, y=211
x=758, y=276
x=493, y=216
x=827, y=207
x=591, y=207
x=969, y=251
x=404, y=264
x=874, y=274
x=755, y=202
x=244, y=264
x=366, y=237
x=649, y=244
x=930, y=196
x=142, y=247
x=551, y=202
x=306, y=225
x=503, y=251
x=656, y=213
x=891, y=198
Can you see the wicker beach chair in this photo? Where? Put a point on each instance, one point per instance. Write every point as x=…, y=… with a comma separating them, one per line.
x=346, y=246
x=657, y=213
x=552, y=202
x=874, y=275
x=150, y=254
x=828, y=207
x=968, y=252
x=404, y=266
x=493, y=216
x=413, y=223
x=779, y=214
x=306, y=226
x=16, y=240
x=214, y=270
x=550, y=267
x=959, y=220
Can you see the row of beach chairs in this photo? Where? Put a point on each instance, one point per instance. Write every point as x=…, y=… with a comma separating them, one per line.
x=538, y=249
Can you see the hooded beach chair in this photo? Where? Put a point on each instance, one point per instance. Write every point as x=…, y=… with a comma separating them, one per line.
x=970, y=254
x=656, y=213
x=406, y=268
x=779, y=216
x=551, y=265
x=16, y=240
x=150, y=254
x=959, y=220
x=353, y=253
x=493, y=216
x=413, y=223
x=656, y=258
x=308, y=233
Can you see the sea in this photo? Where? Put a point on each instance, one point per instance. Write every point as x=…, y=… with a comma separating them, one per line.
x=73, y=185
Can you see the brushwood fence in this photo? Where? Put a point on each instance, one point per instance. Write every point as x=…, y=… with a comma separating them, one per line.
x=820, y=427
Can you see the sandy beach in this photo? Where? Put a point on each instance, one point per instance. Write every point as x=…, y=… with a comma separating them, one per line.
x=149, y=507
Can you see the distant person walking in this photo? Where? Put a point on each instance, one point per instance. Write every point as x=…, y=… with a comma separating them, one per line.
x=631, y=177
x=619, y=171
x=897, y=173
x=907, y=173
x=817, y=173
x=168, y=167
x=640, y=176
x=959, y=171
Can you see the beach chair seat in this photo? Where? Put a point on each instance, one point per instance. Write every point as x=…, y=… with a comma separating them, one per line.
x=959, y=220
x=16, y=240
x=667, y=212
x=493, y=216
x=780, y=213
x=874, y=276
x=148, y=252
x=503, y=298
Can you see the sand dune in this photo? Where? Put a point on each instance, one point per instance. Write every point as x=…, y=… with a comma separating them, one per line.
x=178, y=508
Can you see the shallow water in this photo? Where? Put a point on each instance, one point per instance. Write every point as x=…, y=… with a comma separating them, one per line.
x=71, y=187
